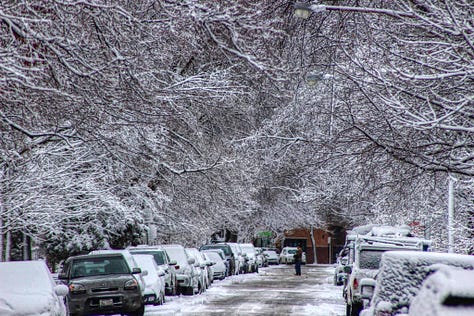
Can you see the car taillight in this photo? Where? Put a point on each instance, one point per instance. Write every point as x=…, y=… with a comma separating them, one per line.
x=356, y=284
x=131, y=285
x=75, y=288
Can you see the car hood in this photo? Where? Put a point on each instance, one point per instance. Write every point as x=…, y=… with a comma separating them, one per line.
x=110, y=280
x=27, y=304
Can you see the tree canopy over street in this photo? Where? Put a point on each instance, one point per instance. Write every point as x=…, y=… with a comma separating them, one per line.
x=189, y=117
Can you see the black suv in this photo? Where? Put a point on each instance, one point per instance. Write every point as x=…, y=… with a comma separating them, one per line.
x=102, y=284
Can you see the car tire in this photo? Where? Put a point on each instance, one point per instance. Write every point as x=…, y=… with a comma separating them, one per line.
x=174, y=288
x=138, y=312
x=356, y=308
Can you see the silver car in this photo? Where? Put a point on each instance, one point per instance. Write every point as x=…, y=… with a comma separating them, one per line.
x=188, y=280
x=162, y=260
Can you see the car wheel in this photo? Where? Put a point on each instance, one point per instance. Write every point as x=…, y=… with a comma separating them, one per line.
x=356, y=308
x=138, y=312
x=174, y=288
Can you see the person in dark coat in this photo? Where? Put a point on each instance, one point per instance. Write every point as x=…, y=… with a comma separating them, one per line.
x=298, y=259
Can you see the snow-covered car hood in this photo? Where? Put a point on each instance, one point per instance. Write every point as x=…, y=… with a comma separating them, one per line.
x=29, y=304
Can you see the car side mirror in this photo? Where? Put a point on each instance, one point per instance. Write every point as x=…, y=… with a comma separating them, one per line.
x=61, y=290
x=136, y=271
x=367, y=286
x=173, y=263
x=191, y=261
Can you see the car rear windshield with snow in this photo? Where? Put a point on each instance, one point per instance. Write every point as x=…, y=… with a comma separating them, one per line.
x=370, y=259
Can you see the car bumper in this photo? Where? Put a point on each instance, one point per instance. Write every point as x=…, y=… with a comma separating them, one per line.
x=184, y=280
x=105, y=304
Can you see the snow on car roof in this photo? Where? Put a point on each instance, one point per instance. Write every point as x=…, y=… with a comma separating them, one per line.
x=402, y=273
x=22, y=277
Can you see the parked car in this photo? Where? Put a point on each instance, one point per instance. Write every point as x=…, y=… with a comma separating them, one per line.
x=103, y=283
x=261, y=257
x=229, y=254
x=201, y=267
x=188, y=280
x=447, y=292
x=28, y=289
x=163, y=260
x=219, y=268
x=240, y=260
x=221, y=254
x=154, y=277
x=249, y=250
x=367, y=252
x=287, y=255
x=401, y=276
x=272, y=256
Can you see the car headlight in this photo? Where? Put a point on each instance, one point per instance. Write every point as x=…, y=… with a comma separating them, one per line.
x=76, y=288
x=131, y=285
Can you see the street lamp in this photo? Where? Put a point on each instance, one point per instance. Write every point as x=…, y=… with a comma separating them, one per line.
x=302, y=10
x=313, y=79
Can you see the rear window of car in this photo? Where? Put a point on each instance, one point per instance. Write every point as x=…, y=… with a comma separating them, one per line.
x=98, y=266
x=370, y=259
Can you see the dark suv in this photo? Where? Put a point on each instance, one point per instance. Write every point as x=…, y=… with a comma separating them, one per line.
x=102, y=284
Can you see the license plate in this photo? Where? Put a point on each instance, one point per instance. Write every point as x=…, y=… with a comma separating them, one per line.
x=106, y=302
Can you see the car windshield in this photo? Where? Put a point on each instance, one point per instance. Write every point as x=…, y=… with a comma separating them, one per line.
x=248, y=249
x=214, y=256
x=370, y=259
x=291, y=251
x=177, y=254
x=98, y=266
x=159, y=256
x=219, y=253
x=225, y=248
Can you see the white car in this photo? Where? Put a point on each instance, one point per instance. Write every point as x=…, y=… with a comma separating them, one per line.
x=219, y=267
x=154, y=279
x=272, y=256
x=287, y=255
x=188, y=280
x=251, y=253
x=201, y=268
x=447, y=292
x=28, y=289
x=401, y=276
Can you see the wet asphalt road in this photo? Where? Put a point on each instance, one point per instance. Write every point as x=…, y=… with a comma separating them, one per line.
x=273, y=291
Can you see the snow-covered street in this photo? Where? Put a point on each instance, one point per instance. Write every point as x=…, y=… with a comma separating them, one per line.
x=273, y=291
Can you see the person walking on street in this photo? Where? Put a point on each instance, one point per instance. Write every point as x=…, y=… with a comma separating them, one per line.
x=298, y=259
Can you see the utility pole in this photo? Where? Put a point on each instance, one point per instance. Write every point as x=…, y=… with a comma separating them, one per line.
x=450, y=214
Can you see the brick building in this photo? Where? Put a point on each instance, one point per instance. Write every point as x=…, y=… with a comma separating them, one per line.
x=327, y=243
